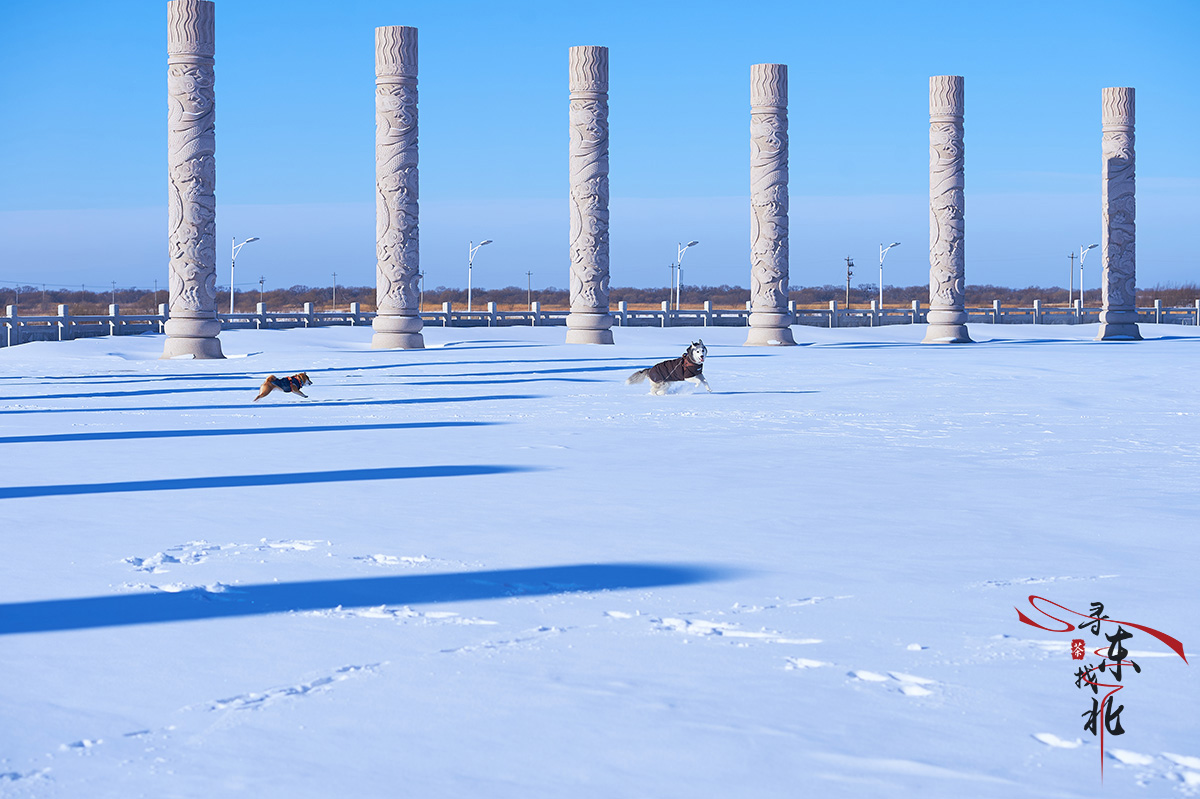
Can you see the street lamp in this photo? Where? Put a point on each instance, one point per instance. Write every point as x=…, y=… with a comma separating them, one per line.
x=472, y=248
x=679, y=269
x=232, y=261
x=1083, y=251
x=882, y=252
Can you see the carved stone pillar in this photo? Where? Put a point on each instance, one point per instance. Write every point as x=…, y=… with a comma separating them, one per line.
x=770, y=322
x=398, y=270
x=193, y=326
x=947, y=315
x=1118, y=320
x=589, y=321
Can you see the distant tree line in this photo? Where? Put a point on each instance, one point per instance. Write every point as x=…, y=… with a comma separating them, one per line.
x=35, y=301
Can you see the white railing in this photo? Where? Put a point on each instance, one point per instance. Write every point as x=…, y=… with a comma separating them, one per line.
x=17, y=329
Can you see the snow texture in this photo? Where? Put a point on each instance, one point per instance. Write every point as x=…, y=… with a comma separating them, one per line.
x=490, y=568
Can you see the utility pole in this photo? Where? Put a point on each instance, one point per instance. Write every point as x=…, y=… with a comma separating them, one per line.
x=261, y=279
x=156, y=295
x=114, y=292
x=1071, y=282
x=529, y=290
x=335, y=291
x=849, y=273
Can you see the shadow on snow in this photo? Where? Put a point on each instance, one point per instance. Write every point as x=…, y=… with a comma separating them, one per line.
x=123, y=435
x=255, y=600
x=255, y=480
x=294, y=404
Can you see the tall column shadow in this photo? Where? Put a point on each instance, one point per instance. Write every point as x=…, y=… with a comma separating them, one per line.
x=55, y=615
x=251, y=480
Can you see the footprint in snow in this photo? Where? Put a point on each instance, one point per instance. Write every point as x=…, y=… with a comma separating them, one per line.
x=215, y=591
x=717, y=629
x=401, y=614
x=795, y=664
x=528, y=637
x=392, y=560
x=1040, y=580
x=1053, y=741
x=907, y=684
x=256, y=700
x=16, y=776
x=195, y=552
x=1183, y=770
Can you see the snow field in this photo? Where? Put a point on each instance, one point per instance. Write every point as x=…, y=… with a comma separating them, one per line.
x=490, y=568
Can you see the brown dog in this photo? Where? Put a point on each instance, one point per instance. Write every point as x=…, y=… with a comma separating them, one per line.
x=287, y=385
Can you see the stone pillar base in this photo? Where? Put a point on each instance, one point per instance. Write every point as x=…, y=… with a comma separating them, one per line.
x=1119, y=331
x=946, y=326
x=589, y=328
x=195, y=337
x=1118, y=324
x=770, y=329
x=946, y=334
x=396, y=332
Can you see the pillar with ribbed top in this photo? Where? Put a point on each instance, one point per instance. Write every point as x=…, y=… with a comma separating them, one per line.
x=397, y=271
x=1118, y=319
x=770, y=322
x=947, y=315
x=193, y=326
x=589, y=321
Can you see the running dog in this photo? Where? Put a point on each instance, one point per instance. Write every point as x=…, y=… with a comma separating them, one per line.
x=288, y=385
x=689, y=367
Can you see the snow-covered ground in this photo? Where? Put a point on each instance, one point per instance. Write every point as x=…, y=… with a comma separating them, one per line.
x=491, y=569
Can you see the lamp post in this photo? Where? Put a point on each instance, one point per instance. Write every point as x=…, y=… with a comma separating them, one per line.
x=679, y=270
x=882, y=252
x=1071, y=281
x=472, y=248
x=233, y=261
x=334, y=291
x=529, y=290
x=1083, y=251
x=261, y=279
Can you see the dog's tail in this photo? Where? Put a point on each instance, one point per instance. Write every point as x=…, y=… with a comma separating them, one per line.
x=637, y=377
x=266, y=388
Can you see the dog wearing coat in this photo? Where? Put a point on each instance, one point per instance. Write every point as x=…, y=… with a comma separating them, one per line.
x=689, y=367
x=288, y=385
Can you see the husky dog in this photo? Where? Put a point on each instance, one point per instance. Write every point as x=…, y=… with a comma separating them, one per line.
x=288, y=385
x=689, y=367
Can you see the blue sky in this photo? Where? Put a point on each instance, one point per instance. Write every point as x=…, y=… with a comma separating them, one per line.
x=83, y=136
